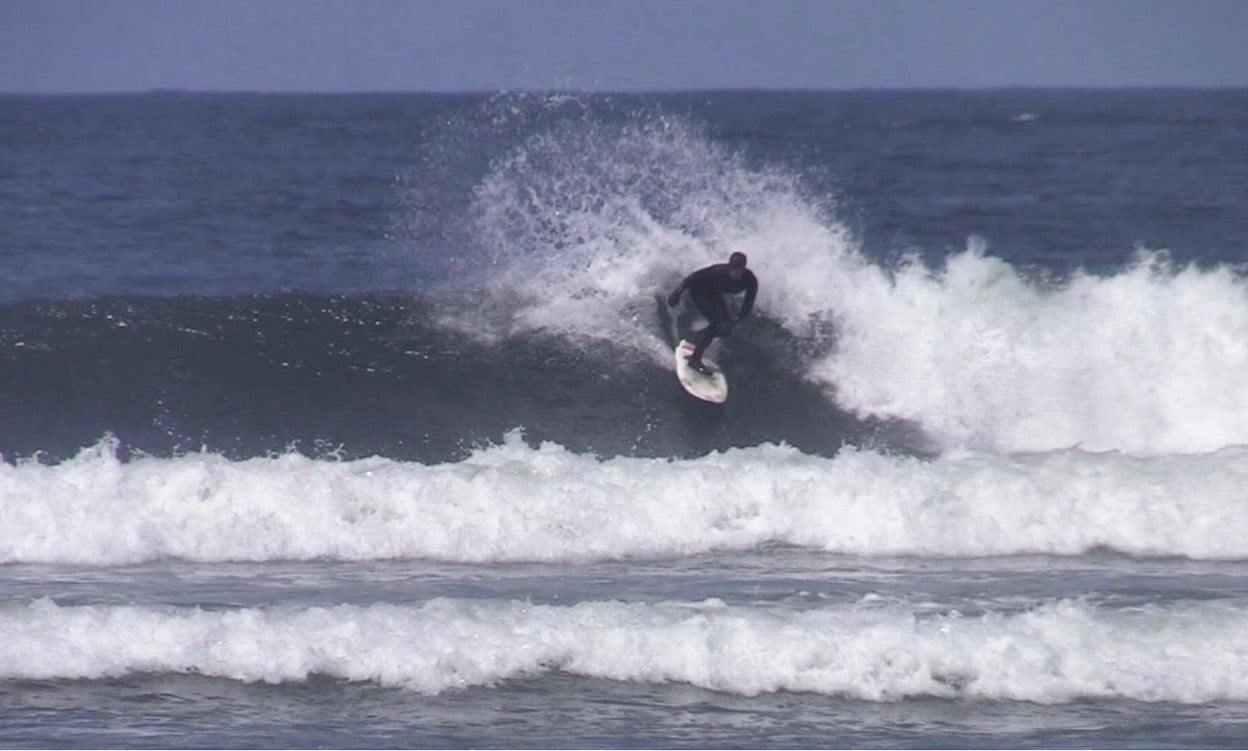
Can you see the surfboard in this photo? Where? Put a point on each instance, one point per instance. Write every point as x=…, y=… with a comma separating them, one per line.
x=709, y=388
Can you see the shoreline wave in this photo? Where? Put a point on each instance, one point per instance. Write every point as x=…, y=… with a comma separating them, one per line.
x=1055, y=652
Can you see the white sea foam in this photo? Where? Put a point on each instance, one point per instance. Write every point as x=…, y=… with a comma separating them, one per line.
x=1057, y=651
x=1150, y=360
x=513, y=502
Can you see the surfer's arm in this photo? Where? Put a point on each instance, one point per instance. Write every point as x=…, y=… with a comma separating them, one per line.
x=674, y=298
x=751, y=289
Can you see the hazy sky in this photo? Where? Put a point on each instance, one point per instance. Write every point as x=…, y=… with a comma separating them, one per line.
x=456, y=45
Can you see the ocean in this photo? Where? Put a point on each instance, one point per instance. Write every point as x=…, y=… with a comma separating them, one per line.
x=350, y=420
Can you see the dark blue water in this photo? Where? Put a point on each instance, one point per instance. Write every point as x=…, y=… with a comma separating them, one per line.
x=213, y=194
x=349, y=420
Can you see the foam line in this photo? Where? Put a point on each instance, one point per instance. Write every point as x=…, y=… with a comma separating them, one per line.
x=1057, y=651
x=514, y=502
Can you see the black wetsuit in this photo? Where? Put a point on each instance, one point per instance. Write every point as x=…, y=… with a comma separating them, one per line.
x=707, y=287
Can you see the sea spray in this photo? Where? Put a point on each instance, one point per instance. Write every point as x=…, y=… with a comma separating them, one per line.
x=578, y=223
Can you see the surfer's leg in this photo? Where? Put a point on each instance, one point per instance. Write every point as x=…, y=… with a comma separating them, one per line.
x=712, y=306
x=705, y=337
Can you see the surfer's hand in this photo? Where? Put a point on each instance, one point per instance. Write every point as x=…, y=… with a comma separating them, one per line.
x=673, y=299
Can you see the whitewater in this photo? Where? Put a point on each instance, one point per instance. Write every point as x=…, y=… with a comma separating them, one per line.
x=517, y=503
x=1057, y=652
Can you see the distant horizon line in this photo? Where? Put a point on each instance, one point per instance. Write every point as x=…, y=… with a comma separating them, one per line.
x=626, y=91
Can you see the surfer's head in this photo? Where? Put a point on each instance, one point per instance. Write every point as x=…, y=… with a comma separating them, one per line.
x=736, y=264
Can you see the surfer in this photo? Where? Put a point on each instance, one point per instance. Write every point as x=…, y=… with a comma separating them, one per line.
x=707, y=287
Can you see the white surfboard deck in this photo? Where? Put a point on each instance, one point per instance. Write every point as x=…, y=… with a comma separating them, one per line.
x=712, y=388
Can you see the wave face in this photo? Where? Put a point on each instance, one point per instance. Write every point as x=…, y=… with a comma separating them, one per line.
x=363, y=375
x=585, y=221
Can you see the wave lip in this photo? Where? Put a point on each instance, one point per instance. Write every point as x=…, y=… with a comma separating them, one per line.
x=513, y=502
x=1059, y=651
